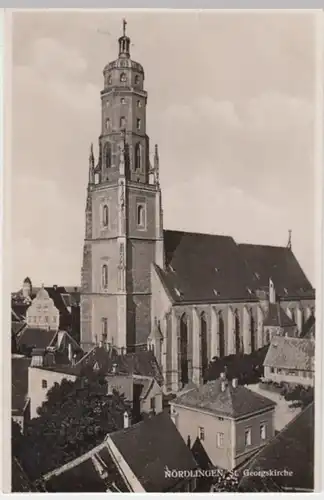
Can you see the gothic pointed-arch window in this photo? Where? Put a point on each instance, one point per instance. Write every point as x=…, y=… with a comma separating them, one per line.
x=108, y=155
x=140, y=215
x=204, y=346
x=221, y=334
x=137, y=79
x=104, y=328
x=122, y=122
x=237, y=332
x=123, y=77
x=107, y=124
x=253, y=331
x=105, y=215
x=138, y=156
x=109, y=79
x=104, y=276
x=183, y=350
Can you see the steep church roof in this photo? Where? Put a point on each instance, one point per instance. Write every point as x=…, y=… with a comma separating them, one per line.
x=214, y=268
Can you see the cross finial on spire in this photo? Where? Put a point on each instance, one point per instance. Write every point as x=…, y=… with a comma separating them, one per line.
x=289, y=239
x=124, y=26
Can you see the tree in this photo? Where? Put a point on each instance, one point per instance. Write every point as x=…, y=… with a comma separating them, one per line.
x=75, y=418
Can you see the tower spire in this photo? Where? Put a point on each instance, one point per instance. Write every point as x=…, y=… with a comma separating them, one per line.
x=289, y=239
x=124, y=42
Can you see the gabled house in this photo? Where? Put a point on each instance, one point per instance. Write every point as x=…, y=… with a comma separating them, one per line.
x=231, y=421
x=290, y=360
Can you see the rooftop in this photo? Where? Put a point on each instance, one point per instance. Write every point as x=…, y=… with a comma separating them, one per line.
x=233, y=402
x=214, y=268
x=276, y=316
x=149, y=447
x=291, y=353
x=19, y=383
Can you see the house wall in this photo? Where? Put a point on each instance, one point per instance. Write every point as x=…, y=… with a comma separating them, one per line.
x=156, y=393
x=241, y=451
x=301, y=377
x=36, y=392
x=188, y=422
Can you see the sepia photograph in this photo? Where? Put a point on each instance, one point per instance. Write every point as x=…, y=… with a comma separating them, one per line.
x=163, y=241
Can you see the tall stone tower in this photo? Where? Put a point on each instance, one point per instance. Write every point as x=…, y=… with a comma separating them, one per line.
x=124, y=229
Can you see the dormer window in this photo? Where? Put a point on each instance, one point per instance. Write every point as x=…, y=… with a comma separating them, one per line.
x=215, y=292
x=257, y=275
x=286, y=291
x=177, y=291
x=123, y=77
x=105, y=215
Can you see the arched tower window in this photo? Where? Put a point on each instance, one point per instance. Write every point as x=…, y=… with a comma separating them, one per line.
x=138, y=156
x=104, y=328
x=108, y=155
x=204, y=345
x=221, y=333
x=122, y=122
x=104, y=276
x=105, y=215
x=237, y=332
x=184, y=371
x=109, y=80
x=137, y=79
x=140, y=216
x=123, y=77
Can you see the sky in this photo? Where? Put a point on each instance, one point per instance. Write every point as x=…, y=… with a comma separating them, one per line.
x=231, y=104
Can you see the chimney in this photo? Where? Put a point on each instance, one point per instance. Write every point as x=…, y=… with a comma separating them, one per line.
x=126, y=420
x=234, y=383
x=70, y=355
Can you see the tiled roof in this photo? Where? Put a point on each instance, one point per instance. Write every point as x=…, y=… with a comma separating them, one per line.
x=138, y=363
x=34, y=338
x=291, y=353
x=212, y=268
x=234, y=402
x=276, y=316
x=292, y=449
x=279, y=264
x=19, y=310
x=149, y=447
x=19, y=383
x=93, y=472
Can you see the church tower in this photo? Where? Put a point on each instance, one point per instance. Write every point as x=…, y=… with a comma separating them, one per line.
x=124, y=229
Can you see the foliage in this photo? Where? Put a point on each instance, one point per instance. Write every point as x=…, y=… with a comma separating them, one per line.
x=247, y=368
x=226, y=481
x=75, y=418
x=300, y=395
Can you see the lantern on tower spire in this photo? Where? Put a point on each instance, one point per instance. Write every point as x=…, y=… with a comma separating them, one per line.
x=124, y=42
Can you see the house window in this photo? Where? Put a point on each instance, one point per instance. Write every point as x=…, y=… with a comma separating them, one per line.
x=104, y=327
x=263, y=431
x=152, y=404
x=220, y=439
x=138, y=124
x=123, y=77
x=122, y=121
x=140, y=216
x=105, y=215
x=104, y=276
x=44, y=384
x=272, y=370
x=201, y=433
x=248, y=437
x=138, y=156
x=46, y=319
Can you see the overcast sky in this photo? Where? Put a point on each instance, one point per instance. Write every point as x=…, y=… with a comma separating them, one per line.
x=230, y=104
